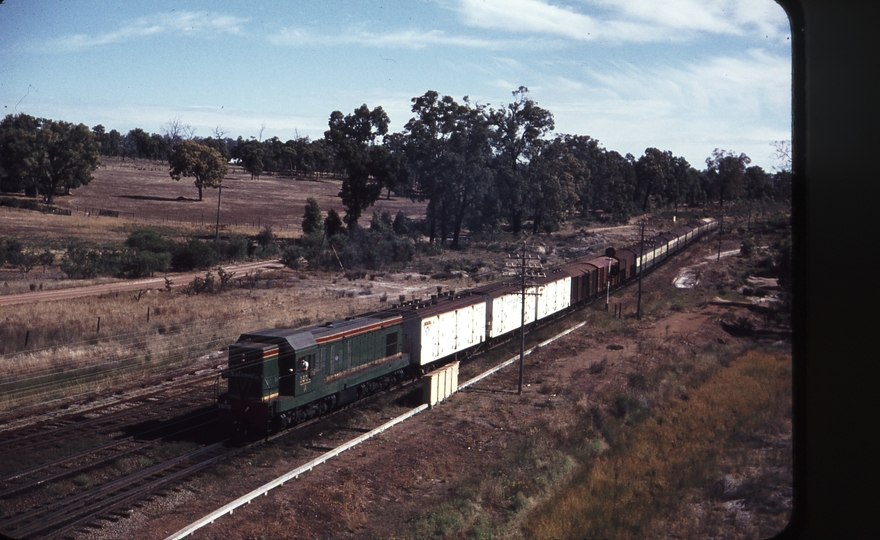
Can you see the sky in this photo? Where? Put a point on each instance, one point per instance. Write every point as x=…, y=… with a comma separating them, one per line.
x=686, y=76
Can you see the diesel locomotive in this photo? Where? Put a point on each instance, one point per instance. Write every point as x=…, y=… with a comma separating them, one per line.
x=280, y=377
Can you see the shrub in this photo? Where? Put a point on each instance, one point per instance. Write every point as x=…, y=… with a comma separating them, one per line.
x=265, y=237
x=429, y=248
x=146, y=263
x=748, y=248
x=292, y=257
x=192, y=254
x=333, y=224
x=233, y=249
x=80, y=261
x=400, y=225
x=146, y=239
x=312, y=222
x=628, y=408
x=637, y=380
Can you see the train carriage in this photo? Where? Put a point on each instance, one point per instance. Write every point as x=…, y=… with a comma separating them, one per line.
x=626, y=262
x=445, y=326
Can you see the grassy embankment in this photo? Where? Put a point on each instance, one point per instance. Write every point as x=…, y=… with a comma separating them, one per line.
x=653, y=464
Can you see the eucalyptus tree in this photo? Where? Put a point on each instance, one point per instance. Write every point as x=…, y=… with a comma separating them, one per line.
x=47, y=155
x=425, y=144
x=353, y=138
x=517, y=131
x=652, y=174
x=726, y=171
x=552, y=195
x=448, y=161
x=466, y=165
x=757, y=184
x=204, y=164
x=17, y=146
x=611, y=184
x=250, y=155
x=175, y=131
x=683, y=184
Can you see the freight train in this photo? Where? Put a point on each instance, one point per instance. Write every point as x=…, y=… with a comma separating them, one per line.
x=279, y=377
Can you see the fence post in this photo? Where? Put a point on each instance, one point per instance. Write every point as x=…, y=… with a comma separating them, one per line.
x=148, y=314
x=27, y=334
x=98, y=330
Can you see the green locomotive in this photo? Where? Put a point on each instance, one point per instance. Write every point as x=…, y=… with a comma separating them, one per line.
x=278, y=377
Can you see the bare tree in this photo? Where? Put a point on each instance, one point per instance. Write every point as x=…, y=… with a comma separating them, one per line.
x=175, y=131
x=782, y=153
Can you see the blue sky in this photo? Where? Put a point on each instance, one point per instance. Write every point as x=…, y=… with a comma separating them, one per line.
x=690, y=76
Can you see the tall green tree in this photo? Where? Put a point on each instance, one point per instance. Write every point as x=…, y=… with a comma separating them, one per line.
x=448, y=154
x=17, y=141
x=552, y=194
x=518, y=128
x=48, y=155
x=426, y=143
x=250, y=154
x=611, y=184
x=204, y=164
x=726, y=171
x=652, y=173
x=353, y=138
x=466, y=165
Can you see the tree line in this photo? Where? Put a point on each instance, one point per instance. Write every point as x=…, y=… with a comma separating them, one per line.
x=477, y=168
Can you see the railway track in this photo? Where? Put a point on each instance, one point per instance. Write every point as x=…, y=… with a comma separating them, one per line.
x=46, y=464
x=58, y=517
x=104, y=421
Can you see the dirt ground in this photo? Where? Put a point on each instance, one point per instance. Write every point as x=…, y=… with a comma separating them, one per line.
x=142, y=189
x=387, y=486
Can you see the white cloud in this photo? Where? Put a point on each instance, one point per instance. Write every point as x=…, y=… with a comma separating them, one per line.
x=619, y=21
x=411, y=39
x=182, y=22
x=739, y=102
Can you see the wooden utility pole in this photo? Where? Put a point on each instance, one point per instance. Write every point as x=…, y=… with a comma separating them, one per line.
x=217, y=230
x=526, y=267
x=641, y=271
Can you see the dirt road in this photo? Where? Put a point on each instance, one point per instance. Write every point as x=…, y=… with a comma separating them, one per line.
x=122, y=286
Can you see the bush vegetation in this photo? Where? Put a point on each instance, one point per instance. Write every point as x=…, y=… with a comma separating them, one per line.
x=147, y=252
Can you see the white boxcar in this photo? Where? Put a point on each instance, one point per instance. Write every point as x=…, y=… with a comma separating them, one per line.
x=554, y=296
x=506, y=310
x=451, y=326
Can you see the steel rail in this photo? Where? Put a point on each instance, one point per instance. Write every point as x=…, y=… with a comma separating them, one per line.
x=264, y=489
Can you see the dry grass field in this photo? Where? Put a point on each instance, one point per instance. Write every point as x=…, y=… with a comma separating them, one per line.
x=143, y=191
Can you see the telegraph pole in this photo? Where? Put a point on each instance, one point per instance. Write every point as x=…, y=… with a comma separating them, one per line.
x=527, y=267
x=641, y=270
x=217, y=230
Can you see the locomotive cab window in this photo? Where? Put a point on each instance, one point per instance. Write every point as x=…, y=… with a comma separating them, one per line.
x=306, y=363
